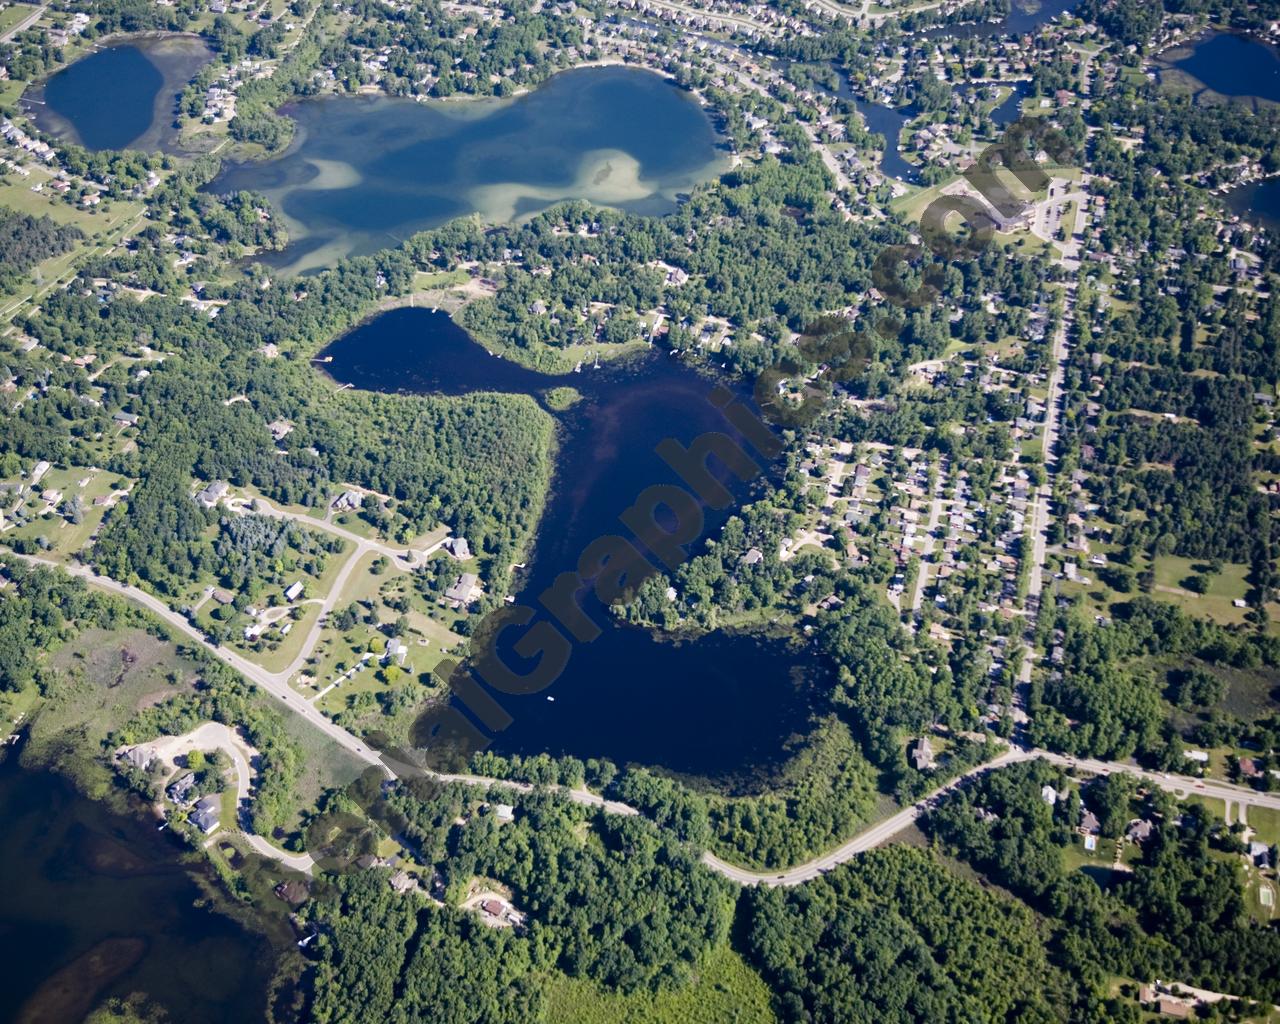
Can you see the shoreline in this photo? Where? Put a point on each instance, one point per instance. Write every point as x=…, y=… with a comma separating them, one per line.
x=128, y=818
x=58, y=128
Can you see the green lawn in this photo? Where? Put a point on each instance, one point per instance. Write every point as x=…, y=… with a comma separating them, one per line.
x=364, y=681
x=1213, y=805
x=15, y=707
x=13, y=14
x=103, y=226
x=1224, y=588
x=276, y=654
x=64, y=537
x=1266, y=822
x=424, y=280
x=1076, y=856
x=913, y=204
x=1027, y=244
x=372, y=591
x=1262, y=897
x=725, y=990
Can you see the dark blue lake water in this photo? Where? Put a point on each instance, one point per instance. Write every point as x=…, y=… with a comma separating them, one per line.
x=1024, y=16
x=889, y=122
x=1258, y=201
x=720, y=707
x=1233, y=65
x=121, y=97
x=83, y=883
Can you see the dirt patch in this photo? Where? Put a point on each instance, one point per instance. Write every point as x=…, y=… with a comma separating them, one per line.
x=111, y=659
x=150, y=700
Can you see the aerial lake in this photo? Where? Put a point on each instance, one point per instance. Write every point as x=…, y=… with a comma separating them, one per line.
x=364, y=173
x=1024, y=16
x=720, y=707
x=1257, y=201
x=96, y=905
x=121, y=97
x=1225, y=64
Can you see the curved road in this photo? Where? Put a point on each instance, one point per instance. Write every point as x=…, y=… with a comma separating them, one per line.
x=274, y=683
x=869, y=838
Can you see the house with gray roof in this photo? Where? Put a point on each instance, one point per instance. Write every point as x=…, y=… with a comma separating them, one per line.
x=206, y=814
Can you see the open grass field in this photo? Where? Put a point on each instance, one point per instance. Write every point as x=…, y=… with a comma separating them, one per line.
x=1265, y=821
x=325, y=765
x=13, y=14
x=11, y=92
x=1225, y=587
x=913, y=204
x=725, y=989
x=16, y=193
x=1218, y=602
x=1214, y=806
x=424, y=280
x=1262, y=898
x=1027, y=244
x=105, y=677
x=104, y=226
x=110, y=675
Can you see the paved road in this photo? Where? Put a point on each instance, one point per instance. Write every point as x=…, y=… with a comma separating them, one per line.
x=25, y=23
x=301, y=862
x=877, y=834
x=216, y=736
x=930, y=539
x=403, y=558
x=1040, y=501
x=269, y=681
x=724, y=18
x=212, y=736
x=865, y=840
x=883, y=831
x=1179, y=785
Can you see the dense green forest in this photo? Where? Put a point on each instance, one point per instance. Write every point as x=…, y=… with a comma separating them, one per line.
x=891, y=936
x=1179, y=914
x=607, y=898
x=382, y=957
x=26, y=240
x=895, y=936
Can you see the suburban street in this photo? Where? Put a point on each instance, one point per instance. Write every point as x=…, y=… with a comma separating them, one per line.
x=883, y=831
x=1043, y=496
x=930, y=543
